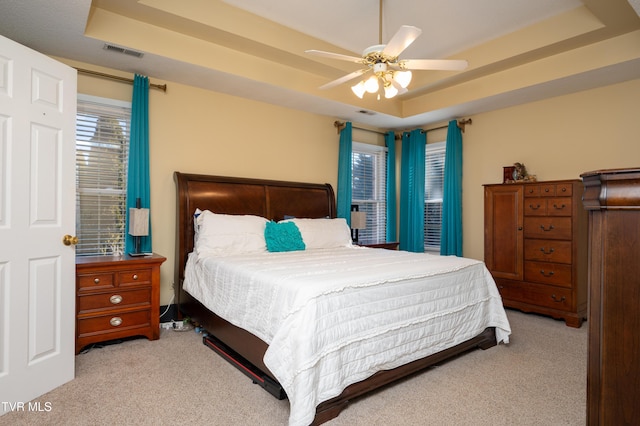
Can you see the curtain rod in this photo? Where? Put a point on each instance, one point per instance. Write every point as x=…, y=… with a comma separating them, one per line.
x=340, y=125
x=162, y=87
x=461, y=124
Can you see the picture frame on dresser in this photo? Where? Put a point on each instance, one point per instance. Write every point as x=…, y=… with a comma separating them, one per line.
x=117, y=297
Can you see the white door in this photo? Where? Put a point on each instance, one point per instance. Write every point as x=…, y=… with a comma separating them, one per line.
x=37, y=208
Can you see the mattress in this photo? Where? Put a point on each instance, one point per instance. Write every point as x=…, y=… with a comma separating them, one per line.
x=333, y=317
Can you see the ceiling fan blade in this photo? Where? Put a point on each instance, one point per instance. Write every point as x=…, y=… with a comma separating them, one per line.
x=434, y=64
x=331, y=55
x=344, y=79
x=401, y=40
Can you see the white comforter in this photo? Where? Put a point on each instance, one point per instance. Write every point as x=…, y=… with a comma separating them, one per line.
x=333, y=317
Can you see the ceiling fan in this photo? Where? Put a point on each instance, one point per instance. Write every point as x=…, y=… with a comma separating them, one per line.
x=383, y=61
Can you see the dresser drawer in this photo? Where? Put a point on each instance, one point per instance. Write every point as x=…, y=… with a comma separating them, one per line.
x=548, y=273
x=557, y=228
x=535, y=294
x=115, y=321
x=114, y=300
x=547, y=207
x=134, y=277
x=563, y=189
x=548, y=250
x=97, y=281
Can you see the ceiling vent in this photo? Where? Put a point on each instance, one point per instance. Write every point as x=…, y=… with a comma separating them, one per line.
x=118, y=49
x=365, y=112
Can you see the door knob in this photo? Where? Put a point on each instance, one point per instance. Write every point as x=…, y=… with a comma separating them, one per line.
x=68, y=240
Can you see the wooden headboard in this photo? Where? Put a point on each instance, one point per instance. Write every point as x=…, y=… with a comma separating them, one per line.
x=231, y=195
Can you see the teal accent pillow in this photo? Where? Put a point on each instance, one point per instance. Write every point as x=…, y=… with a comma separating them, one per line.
x=283, y=236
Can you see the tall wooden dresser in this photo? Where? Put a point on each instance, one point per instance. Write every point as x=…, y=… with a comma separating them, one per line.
x=612, y=198
x=535, y=246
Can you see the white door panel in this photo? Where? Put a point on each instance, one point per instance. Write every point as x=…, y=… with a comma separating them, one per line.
x=37, y=208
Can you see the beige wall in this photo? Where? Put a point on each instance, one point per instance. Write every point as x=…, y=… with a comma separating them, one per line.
x=558, y=138
x=198, y=131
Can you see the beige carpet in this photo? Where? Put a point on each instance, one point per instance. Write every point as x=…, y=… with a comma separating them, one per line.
x=538, y=379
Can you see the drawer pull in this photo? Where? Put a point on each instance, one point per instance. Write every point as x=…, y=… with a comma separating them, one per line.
x=545, y=274
x=534, y=208
x=115, y=299
x=115, y=321
x=546, y=229
x=555, y=298
x=546, y=190
x=96, y=280
x=555, y=206
x=544, y=250
x=135, y=276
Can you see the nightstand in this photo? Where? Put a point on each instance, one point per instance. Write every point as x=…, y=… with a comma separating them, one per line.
x=388, y=246
x=117, y=297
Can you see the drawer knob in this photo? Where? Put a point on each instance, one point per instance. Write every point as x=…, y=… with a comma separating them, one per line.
x=544, y=250
x=96, y=280
x=135, y=276
x=546, y=274
x=115, y=299
x=115, y=321
x=546, y=229
x=555, y=298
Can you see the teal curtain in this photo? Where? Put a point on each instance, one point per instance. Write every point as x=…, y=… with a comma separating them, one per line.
x=138, y=185
x=451, y=234
x=412, y=176
x=390, y=141
x=343, y=197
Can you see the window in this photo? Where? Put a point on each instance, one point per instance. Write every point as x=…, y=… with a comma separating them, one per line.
x=433, y=190
x=368, y=190
x=102, y=148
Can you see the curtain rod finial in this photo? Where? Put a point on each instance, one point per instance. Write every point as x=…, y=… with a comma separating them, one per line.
x=463, y=123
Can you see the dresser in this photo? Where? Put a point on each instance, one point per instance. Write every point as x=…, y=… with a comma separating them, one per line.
x=117, y=297
x=612, y=198
x=535, y=246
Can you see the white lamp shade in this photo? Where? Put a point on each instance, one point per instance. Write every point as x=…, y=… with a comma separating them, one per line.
x=372, y=85
x=390, y=91
x=358, y=220
x=403, y=78
x=138, y=222
x=359, y=89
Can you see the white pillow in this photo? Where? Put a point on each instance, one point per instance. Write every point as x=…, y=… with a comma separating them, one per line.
x=223, y=234
x=324, y=233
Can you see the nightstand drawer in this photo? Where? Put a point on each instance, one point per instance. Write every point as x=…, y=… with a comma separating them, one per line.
x=134, y=277
x=114, y=300
x=113, y=322
x=97, y=281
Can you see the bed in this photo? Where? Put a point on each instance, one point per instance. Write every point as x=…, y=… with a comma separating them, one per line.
x=242, y=340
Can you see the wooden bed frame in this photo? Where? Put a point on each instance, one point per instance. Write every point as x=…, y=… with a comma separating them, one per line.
x=272, y=200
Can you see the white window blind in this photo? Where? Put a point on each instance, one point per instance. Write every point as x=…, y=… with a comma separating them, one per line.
x=102, y=147
x=434, y=185
x=368, y=190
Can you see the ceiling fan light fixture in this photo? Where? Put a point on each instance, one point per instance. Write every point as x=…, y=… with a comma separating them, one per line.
x=359, y=89
x=390, y=91
x=372, y=85
x=403, y=78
